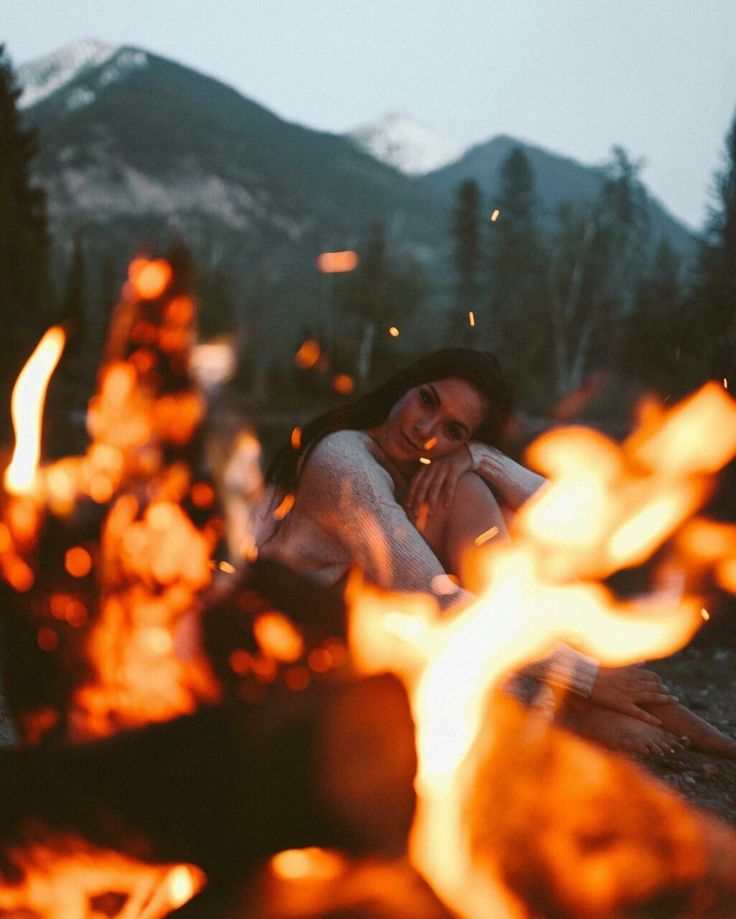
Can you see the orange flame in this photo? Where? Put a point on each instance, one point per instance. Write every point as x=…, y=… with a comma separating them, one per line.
x=26, y=408
x=65, y=875
x=150, y=278
x=606, y=507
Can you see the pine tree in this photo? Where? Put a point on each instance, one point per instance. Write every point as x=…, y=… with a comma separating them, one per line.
x=467, y=257
x=383, y=291
x=599, y=255
x=517, y=308
x=73, y=380
x=650, y=349
x=711, y=326
x=25, y=292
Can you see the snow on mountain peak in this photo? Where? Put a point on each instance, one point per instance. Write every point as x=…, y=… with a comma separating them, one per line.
x=44, y=75
x=405, y=143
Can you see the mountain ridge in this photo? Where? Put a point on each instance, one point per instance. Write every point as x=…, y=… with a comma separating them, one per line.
x=134, y=145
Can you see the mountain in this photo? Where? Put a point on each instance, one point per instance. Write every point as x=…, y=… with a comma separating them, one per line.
x=406, y=144
x=46, y=74
x=135, y=146
x=558, y=179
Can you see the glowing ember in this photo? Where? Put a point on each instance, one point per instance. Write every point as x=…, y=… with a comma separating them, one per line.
x=149, y=278
x=343, y=384
x=337, y=262
x=393, y=331
x=312, y=863
x=26, y=408
x=284, y=507
x=78, y=562
x=425, y=460
x=277, y=637
x=471, y=318
x=296, y=439
x=484, y=537
x=307, y=355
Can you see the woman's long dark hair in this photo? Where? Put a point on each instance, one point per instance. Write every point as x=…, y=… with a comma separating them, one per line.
x=480, y=368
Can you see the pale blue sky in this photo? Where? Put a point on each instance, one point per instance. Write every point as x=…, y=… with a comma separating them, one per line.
x=576, y=76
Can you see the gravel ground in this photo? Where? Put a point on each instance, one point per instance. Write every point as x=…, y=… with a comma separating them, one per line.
x=705, y=681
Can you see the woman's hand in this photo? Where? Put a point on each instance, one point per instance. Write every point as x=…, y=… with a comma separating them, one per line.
x=434, y=485
x=625, y=689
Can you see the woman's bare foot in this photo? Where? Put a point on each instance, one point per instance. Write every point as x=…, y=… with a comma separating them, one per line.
x=703, y=736
x=618, y=731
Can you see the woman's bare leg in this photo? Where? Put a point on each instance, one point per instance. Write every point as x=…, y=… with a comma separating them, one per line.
x=617, y=731
x=703, y=736
x=452, y=531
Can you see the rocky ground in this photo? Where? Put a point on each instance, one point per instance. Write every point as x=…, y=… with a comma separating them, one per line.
x=704, y=679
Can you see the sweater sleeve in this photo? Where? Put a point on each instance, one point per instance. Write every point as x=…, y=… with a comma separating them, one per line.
x=352, y=497
x=514, y=482
x=566, y=668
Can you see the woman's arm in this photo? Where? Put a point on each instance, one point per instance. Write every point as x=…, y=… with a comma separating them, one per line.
x=435, y=484
x=514, y=482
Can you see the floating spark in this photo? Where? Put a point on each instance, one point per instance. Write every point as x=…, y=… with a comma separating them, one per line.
x=343, y=384
x=484, y=537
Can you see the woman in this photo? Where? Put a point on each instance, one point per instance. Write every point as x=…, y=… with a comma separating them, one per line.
x=397, y=484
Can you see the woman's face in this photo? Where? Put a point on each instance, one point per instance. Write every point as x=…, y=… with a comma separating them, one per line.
x=432, y=420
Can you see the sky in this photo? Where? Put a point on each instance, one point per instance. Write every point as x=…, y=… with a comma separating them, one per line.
x=657, y=77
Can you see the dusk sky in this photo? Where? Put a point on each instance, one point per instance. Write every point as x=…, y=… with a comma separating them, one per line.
x=575, y=76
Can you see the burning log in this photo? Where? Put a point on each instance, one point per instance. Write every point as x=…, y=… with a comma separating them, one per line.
x=222, y=789
x=574, y=831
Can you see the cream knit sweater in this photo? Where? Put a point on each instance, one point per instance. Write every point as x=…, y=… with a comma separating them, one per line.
x=347, y=513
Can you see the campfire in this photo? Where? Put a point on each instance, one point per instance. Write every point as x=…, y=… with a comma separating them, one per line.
x=185, y=735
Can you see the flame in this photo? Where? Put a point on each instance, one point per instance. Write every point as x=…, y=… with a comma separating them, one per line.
x=471, y=318
x=26, y=408
x=605, y=508
x=393, y=331
x=65, y=877
x=150, y=278
x=312, y=863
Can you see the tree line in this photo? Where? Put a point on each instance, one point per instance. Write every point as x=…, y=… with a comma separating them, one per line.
x=587, y=288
